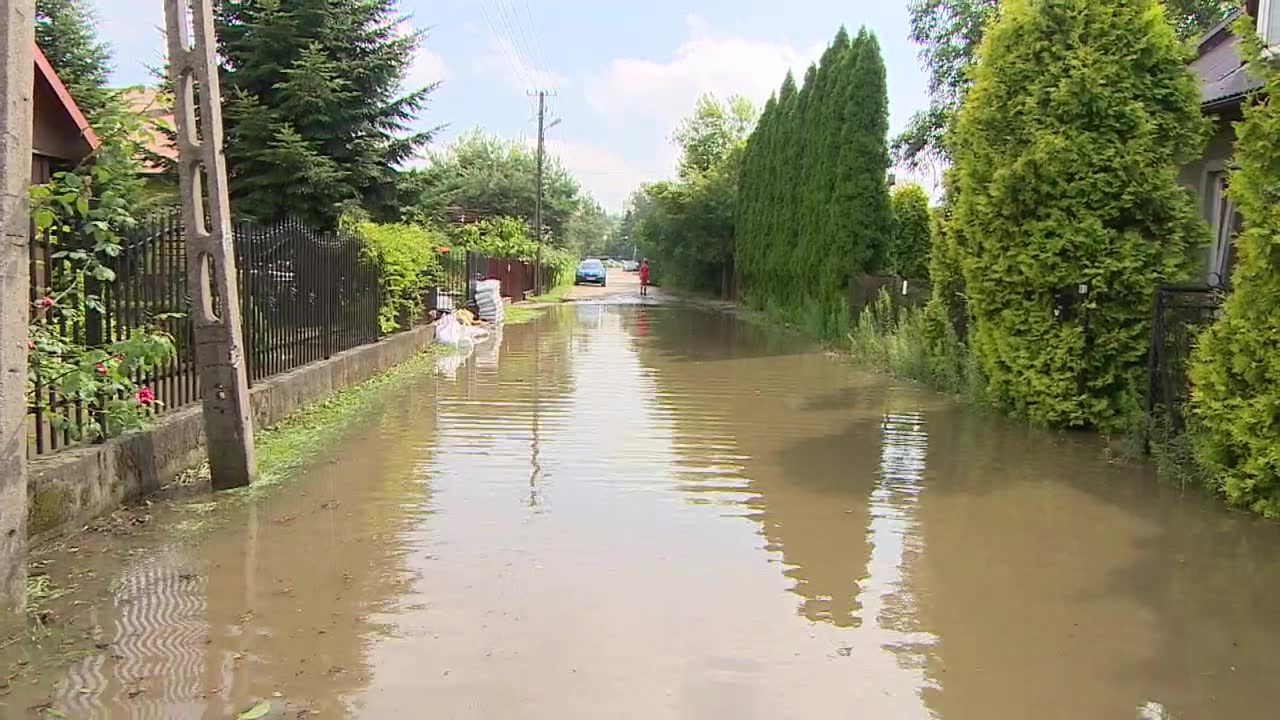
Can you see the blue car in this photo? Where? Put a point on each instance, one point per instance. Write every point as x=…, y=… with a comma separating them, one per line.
x=591, y=272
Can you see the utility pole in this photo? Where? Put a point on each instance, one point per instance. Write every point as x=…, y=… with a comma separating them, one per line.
x=17, y=80
x=537, y=203
x=211, y=271
x=543, y=126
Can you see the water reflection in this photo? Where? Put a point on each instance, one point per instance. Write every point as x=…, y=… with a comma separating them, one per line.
x=646, y=512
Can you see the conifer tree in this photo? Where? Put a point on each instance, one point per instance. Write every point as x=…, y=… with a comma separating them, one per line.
x=863, y=189
x=1066, y=158
x=909, y=251
x=66, y=32
x=316, y=115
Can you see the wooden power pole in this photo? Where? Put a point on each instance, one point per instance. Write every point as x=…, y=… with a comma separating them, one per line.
x=17, y=80
x=211, y=259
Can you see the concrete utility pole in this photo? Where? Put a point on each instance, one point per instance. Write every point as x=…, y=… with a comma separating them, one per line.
x=211, y=259
x=537, y=203
x=17, y=79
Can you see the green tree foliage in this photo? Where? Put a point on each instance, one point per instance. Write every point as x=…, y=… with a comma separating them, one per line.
x=687, y=226
x=408, y=263
x=1066, y=154
x=590, y=229
x=1235, y=371
x=67, y=34
x=509, y=237
x=909, y=249
x=814, y=207
x=316, y=119
x=949, y=33
x=484, y=176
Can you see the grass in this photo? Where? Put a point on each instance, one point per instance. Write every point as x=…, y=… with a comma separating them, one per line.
x=521, y=314
x=527, y=312
x=293, y=443
x=896, y=341
x=554, y=295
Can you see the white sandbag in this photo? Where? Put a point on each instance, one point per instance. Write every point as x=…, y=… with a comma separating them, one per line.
x=448, y=330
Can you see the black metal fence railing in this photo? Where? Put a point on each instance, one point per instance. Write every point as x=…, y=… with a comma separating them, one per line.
x=1179, y=313
x=304, y=295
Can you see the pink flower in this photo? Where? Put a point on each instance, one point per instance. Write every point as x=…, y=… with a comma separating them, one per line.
x=47, y=302
x=146, y=396
x=101, y=368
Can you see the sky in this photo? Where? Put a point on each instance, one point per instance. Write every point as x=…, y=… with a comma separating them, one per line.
x=623, y=74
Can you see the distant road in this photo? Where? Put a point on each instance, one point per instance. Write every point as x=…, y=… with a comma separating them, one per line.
x=620, y=282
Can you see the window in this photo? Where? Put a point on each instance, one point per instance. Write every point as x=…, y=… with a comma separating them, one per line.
x=1269, y=24
x=1225, y=223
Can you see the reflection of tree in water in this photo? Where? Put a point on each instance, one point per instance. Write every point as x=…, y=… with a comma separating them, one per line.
x=1055, y=576
x=833, y=475
x=811, y=463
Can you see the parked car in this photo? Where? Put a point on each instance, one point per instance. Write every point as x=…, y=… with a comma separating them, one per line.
x=591, y=271
x=631, y=266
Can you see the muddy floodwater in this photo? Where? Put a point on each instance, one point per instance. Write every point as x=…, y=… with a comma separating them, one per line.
x=627, y=511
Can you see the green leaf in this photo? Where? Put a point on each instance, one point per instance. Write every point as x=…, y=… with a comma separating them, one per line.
x=104, y=274
x=256, y=711
x=82, y=205
x=44, y=218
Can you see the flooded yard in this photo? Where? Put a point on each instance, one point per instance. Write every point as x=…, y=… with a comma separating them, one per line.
x=633, y=511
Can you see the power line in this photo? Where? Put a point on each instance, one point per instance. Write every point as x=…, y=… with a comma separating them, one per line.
x=515, y=34
x=514, y=19
x=506, y=51
x=542, y=57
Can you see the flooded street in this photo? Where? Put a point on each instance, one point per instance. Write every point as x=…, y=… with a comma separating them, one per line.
x=626, y=511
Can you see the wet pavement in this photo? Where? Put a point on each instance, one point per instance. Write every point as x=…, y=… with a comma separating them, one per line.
x=633, y=511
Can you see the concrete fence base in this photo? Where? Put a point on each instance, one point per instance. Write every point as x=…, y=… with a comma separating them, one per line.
x=70, y=488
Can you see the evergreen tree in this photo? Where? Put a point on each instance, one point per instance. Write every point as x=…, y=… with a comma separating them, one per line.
x=1235, y=371
x=1066, y=155
x=66, y=32
x=863, y=188
x=950, y=32
x=814, y=192
x=909, y=251
x=316, y=119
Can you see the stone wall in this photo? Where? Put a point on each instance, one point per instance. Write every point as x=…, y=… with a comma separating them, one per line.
x=70, y=488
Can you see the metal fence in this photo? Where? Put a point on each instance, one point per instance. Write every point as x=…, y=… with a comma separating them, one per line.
x=1179, y=313
x=304, y=295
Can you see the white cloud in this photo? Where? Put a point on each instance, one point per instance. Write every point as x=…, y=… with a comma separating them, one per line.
x=603, y=172
x=649, y=97
x=518, y=69
x=427, y=66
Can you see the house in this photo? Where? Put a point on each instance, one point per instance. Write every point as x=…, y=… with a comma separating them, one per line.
x=1225, y=87
x=61, y=136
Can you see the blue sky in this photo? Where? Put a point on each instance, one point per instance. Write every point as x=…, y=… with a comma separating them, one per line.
x=624, y=73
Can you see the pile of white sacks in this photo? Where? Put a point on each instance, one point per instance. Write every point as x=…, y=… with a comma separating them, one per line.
x=489, y=300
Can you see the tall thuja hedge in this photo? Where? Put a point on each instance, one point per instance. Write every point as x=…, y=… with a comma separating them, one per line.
x=813, y=199
x=1235, y=371
x=1066, y=153
x=912, y=233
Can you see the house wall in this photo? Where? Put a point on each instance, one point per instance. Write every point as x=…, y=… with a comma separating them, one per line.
x=1199, y=177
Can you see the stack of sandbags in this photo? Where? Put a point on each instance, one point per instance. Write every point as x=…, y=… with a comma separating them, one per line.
x=489, y=300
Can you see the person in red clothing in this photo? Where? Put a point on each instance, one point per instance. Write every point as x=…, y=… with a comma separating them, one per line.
x=644, y=277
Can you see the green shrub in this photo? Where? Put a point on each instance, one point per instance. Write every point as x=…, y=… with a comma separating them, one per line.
x=895, y=340
x=1235, y=371
x=909, y=247
x=409, y=265
x=1066, y=154
x=507, y=237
